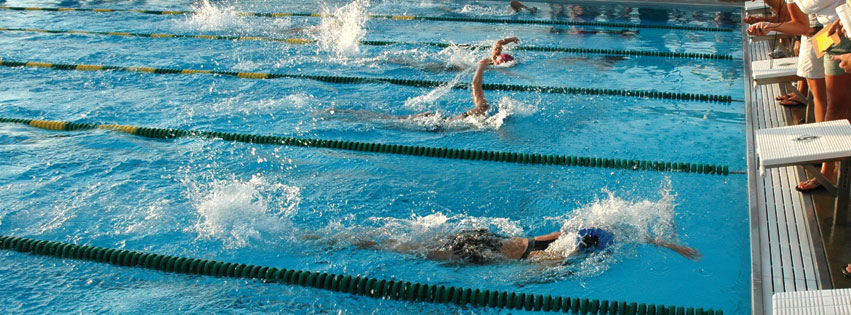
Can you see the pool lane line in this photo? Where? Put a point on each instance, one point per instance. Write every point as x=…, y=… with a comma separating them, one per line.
x=362, y=80
x=402, y=18
x=572, y=50
x=357, y=285
x=436, y=152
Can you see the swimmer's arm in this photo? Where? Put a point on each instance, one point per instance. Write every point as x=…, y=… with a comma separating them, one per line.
x=548, y=259
x=685, y=251
x=481, y=104
x=548, y=237
x=497, y=47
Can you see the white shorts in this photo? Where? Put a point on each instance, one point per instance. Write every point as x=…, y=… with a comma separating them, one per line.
x=809, y=66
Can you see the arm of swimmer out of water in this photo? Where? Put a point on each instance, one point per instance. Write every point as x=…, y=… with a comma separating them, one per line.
x=497, y=47
x=685, y=251
x=481, y=104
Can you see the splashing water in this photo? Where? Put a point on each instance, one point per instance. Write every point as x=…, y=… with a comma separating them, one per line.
x=239, y=212
x=424, y=232
x=478, y=10
x=340, y=31
x=460, y=57
x=425, y=101
x=631, y=223
x=208, y=17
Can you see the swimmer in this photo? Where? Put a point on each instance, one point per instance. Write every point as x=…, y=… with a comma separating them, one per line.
x=517, y=6
x=480, y=104
x=497, y=57
x=481, y=246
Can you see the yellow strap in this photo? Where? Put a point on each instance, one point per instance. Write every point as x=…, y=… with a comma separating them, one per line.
x=49, y=125
x=298, y=41
x=192, y=71
x=120, y=128
x=142, y=69
x=253, y=75
x=39, y=64
x=89, y=67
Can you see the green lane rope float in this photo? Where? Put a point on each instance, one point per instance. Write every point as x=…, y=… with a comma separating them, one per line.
x=405, y=18
x=404, y=82
x=357, y=285
x=573, y=50
x=449, y=153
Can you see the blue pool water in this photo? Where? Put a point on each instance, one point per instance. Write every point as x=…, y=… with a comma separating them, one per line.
x=255, y=204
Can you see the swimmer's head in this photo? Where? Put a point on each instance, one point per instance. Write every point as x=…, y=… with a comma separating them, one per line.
x=503, y=58
x=589, y=242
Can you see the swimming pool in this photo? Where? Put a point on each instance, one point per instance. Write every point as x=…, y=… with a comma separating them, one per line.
x=254, y=204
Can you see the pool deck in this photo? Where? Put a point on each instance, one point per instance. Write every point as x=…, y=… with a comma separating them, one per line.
x=787, y=242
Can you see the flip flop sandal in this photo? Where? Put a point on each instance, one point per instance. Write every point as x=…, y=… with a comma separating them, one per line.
x=845, y=272
x=809, y=182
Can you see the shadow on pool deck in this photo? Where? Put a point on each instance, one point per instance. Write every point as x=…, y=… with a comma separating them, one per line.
x=837, y=239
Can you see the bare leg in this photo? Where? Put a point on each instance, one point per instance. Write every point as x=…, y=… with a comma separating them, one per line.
x=817, y=86
x=838, y=101
x=819, y=90
x=836, y=91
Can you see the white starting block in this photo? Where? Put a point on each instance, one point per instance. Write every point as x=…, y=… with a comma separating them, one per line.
x=809, y=144
x=757, y=7
x=812, y=302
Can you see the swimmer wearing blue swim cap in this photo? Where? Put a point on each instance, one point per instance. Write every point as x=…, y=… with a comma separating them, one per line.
x=481, y=246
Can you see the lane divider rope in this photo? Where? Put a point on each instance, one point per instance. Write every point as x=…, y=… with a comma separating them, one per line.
x=404, y=18
x=573, y=50
x=357, y=285
x=437, y=152
x=404, y=82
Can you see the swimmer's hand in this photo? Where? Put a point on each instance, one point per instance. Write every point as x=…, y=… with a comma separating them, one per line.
x=685, y=251
x=689, y=253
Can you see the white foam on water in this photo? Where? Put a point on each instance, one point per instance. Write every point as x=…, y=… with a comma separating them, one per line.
x=206, y=16
x=341, y=30
x=631, y=222
x=478, y=10
x=240, y=212
x=460, y=57
x=425, y=101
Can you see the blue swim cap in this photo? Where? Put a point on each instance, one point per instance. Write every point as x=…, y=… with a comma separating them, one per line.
x=594, y=239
